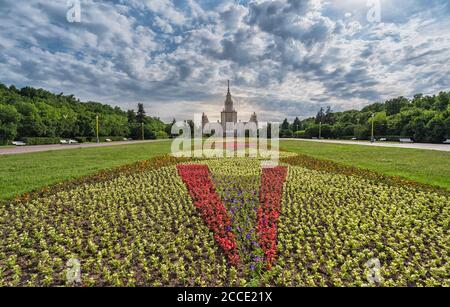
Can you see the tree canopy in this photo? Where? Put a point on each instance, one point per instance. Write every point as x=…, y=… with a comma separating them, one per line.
x=423, y=118
x=30, y=112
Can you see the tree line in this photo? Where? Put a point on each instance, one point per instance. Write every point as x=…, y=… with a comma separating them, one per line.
x=422, y=118
x=36, y=113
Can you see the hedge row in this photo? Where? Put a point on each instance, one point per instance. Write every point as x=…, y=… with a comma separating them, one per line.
x=40, y=140
x=389, y=138
x=83, y=139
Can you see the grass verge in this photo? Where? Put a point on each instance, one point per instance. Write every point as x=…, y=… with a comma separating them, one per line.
x=423, y=166
x=27, y=172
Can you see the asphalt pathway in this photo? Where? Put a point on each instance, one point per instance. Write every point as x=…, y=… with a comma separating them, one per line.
x=39, y=148
x=438, y=147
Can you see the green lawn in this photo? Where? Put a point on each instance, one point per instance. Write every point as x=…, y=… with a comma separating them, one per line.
x=26, y=172
x=425, y=166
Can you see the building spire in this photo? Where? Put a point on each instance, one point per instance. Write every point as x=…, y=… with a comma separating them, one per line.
x=228, y=86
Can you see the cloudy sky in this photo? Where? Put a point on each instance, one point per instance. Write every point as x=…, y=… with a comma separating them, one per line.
x=285, y=58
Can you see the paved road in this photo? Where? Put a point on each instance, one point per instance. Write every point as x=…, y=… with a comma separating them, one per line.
x=40, y=148
x=438, y=147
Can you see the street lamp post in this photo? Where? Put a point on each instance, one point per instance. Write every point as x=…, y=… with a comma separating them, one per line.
x=142, y=131
x=320, y=130
x=372, y=139
x=97, y=125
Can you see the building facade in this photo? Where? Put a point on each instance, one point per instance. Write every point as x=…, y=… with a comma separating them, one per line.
x=229, y=115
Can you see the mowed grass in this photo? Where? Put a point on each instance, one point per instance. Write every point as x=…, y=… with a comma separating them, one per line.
x=425, y=166
x=27, y=172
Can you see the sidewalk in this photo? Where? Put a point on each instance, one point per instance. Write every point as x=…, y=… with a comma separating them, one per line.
x=438, y=147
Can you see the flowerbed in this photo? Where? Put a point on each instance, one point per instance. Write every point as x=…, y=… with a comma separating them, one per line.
x=141, y=226
x=237, y=182
x=137, y=229
x=334, y=226
x=269, y=210
x=203, y=193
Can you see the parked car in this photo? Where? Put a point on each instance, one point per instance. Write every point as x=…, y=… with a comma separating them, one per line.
x=63, y=142
x=72, y=142
x=18, y=143
x=406, y=140
x=108, y=140
x=383, y=140
x=447, y=141
x=354, y=139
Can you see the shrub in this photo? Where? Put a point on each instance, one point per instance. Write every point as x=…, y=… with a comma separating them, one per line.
x=161, y=135
x=286, y=133
x=300, y=134
x=83, y=139
x=41, y=140
x=361, y=132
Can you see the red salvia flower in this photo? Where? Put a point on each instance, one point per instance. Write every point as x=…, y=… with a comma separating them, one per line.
x=270, y=207
x=210, y=207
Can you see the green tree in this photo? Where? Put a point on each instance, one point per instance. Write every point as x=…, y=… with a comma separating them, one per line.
x=131, y=116
x=436, y=129
x=296, y=125
x=140, y=115
x=362, y=132
x=329, y=116
x=31, y=123
x=394, y=106
x=169, y=127
x=285, y=125
x=320, y=117
x=9, y=118
x=442, y=101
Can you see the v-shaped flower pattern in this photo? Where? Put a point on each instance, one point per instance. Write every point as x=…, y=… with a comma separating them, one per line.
x=202, y=191
x=208, y=203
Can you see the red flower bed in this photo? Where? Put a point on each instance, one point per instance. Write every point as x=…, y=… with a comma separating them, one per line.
x=208, y=203
x=270, y=207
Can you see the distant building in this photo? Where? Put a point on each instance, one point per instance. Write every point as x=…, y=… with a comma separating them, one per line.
x=229, y=114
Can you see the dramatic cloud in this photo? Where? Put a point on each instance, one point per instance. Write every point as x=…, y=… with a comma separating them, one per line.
x=285, y=58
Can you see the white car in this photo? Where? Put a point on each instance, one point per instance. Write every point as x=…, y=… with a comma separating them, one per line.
x=63, y=142
x=447, y=141
x=108, y=140
x=18, y=143
x=383, y=140
x=72, y=142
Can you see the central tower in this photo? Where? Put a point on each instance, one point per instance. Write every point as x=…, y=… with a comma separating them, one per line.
x=229, y=114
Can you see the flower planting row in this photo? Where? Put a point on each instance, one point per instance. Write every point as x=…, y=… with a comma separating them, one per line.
x=237, y=182
x=138, y=229
x=253, y=215
x=206, y=200
x=269, y=210
x=334, y=227
x=142, y=228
